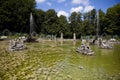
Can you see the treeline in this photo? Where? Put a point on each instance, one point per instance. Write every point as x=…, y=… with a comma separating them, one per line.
x=15, y=16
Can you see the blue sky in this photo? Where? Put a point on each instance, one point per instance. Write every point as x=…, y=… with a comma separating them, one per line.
x=66, y=7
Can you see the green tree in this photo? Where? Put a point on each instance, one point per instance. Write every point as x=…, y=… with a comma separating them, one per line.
x=51, y=22
x=75, y=23
x=113, y=19
x=93, y=21
x=14, y=14
x=39, y=19
x=102, y=22
x=86, y=27
x=63, y=25
x=89, y=23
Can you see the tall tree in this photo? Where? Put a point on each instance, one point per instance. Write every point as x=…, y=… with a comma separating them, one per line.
x=113, y=19
x=75, y=23
x=39, y=20
x=102, y=23
x=86, y=24
x=89, y=23
x=51, y=22
x=63, y=25
x=14, y=14
x=93, y=21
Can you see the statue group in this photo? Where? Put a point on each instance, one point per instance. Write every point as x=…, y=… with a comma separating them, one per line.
x=17, y=44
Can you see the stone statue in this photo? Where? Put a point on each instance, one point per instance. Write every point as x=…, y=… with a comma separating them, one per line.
x=16, y=44
x=85, y=48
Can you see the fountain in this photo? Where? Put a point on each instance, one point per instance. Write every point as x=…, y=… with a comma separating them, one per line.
x=85, y=48
x=98, y=29
x=16, y=45
x=32, y=31
x=104, y=44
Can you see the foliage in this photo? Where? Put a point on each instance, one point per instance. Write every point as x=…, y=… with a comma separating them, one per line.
x=15, y=14
x=113, y=19
x=50, y=22
x=75, y=23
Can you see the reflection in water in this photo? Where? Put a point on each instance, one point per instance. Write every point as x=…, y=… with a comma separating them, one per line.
x=74, y=42
x=64, y=63
x=107, y=59
x=61, y=42
x=106, y=52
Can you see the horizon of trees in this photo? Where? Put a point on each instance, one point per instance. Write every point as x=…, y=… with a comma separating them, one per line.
x=15, y=17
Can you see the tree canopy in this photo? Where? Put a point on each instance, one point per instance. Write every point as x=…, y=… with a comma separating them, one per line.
x=15, y=14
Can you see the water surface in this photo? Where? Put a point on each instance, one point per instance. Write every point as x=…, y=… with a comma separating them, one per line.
x=54, y=60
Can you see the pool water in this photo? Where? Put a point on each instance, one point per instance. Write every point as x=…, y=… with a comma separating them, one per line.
x=51, y=60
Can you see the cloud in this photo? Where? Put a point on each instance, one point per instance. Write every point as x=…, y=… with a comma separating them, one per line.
x=88, y=8
x=62, y=13
x=84, y=2
x=49, y=4
x=40, y=1
x=77, y=9
x=61, y=1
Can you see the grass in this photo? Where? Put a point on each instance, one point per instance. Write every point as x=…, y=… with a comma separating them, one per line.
x=50, y=60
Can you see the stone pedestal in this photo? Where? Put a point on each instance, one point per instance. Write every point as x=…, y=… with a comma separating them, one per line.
x=74, y=36
x=16, y=45
x=85, y=48
x=61, y=36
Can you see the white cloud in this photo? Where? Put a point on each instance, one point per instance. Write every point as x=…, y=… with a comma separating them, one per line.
x=49, y=4
x=40, y=1
x=88, y=8
x=77, y=9
x=62, y=13
x=84, y=2
x=61, y=1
